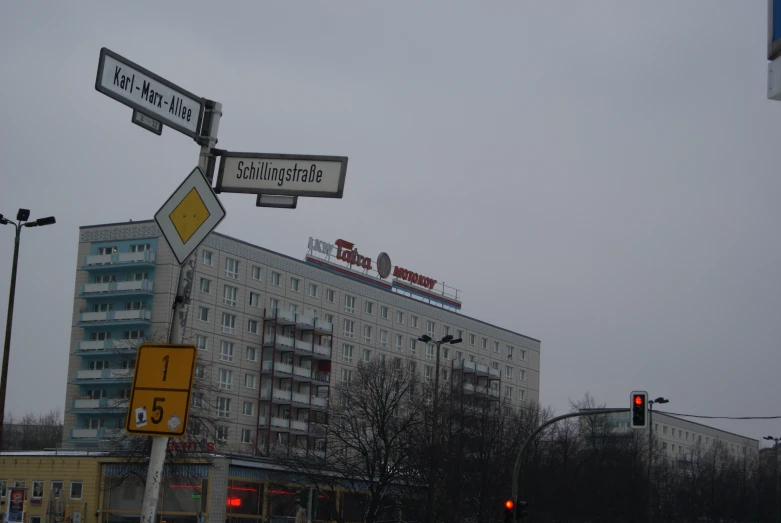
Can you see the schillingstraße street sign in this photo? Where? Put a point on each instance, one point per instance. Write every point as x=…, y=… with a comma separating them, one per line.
x=148, y=93
x=282, y=174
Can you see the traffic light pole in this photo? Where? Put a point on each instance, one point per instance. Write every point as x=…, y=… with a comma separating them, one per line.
x=517, y=468
x=650, y=456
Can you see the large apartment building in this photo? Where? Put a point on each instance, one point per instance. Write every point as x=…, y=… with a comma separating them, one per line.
x=274, y=334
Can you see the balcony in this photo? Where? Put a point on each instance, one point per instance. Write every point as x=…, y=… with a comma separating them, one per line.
x=100, y=346
x=283, y=317
x=108, y=261
x=277, y=367
x=319, y=402
x=283, y=343
x=302, y=372
x=299, y=426
x=304, y=348
x=91, y=290
x=322, y=377
x=87, y=433
x=103, y=374
x=279, y=395
x=102, y=404
x=132, y=316
x=322, y=351
x=494, y=373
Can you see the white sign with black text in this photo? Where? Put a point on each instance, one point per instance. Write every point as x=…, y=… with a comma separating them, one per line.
x=136, y=87
x=284, y=174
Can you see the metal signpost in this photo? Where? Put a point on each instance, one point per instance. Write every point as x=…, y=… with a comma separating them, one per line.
x=162, y=382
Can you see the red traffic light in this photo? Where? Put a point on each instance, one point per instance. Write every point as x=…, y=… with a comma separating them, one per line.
x=509, y=504
x=638, y=400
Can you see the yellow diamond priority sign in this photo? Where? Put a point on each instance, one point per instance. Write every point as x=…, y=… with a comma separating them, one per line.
x=189, y=215
x=162, y=385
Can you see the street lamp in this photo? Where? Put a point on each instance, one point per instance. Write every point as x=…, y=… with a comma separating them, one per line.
x=775, y=472
x=452, y=341
x=22, y=218
x=660, y=400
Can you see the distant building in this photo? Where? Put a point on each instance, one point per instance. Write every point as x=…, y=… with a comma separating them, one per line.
x=680, y=440
x=274, y=334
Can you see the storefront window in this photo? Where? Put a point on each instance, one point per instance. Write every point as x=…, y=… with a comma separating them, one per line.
x=244, y=498
x=182, y=495
x=283, y=502
x=124, y=494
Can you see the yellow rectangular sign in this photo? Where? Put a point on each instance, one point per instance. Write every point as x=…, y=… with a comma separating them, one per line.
x=162, y=386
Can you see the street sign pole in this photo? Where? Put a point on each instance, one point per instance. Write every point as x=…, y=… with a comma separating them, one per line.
x=154, y=474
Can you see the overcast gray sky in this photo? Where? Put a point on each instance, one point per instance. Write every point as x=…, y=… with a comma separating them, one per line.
x=600, y=175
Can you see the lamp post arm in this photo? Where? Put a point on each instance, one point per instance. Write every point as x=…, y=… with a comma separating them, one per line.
x=517, y=468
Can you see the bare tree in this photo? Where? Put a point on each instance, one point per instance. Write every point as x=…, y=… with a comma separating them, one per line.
x=33, y=432
x=369, y=453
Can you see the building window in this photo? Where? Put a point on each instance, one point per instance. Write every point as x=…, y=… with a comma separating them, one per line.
x=313, y=290
x=496, y=347
x=522, y=354
x=521, y=394
x=197, y=399
x=330, y=295
x=472, y=339
x=521, y=374
x=349, y=303
x=276, y=278
x=428, y=373
x=664, y=431
x=367, y=355
x=347, y=376
x=383, y=338
x=273, y=305
x=229, y=295
x=446, y=353
x=412, y=345
x=247, y=408
x=384, y=312
x=400, y=317
x=228, y=324
x=508, y=392
x=246, y=436
x=232, y=268
x=398, y=342
x=249, y=381
x=226, y=351
x=252, y=354
x=329, y=318
x=203, y=313
x=484, y=343
x=76, y=489
x=368, y=307
x=347, y=353
x=349, y=329
x=252, y=326
x=225, y=379
x=508, y=372
x=200, y=341
x=199, y=372
x=206, y=257
x=223, y=407
x=294, y=283
x=255, y=272
x=254, y=299
x=367, y=334
x=140, y=247
x=222, y=434
x=430, y=328
x=413, y=321
x=445, y=330
x=205, y=285
x=509, y=352
x=293, y=308
x=429, y=351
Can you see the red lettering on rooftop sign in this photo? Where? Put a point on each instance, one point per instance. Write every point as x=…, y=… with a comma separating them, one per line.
x=413, y=277
x=346, y=253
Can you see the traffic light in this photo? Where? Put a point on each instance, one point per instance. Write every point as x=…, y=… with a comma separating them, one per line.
x=639, y=409
x=508, y=511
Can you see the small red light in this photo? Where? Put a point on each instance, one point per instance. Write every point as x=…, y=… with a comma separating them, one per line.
x=638, y=400
x=509, y=504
